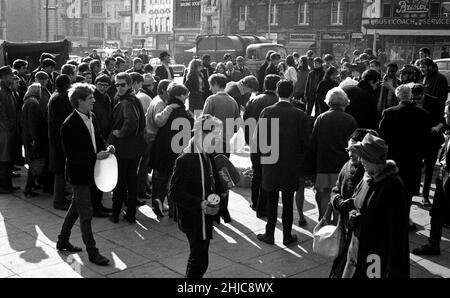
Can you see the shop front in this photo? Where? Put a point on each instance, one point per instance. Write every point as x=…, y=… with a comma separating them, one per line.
x=335, y=43
x=405, y=26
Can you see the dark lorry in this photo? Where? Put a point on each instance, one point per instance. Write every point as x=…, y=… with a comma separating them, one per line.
x=31, y=51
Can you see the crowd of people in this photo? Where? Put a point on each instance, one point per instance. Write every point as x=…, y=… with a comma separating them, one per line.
x=360, y=130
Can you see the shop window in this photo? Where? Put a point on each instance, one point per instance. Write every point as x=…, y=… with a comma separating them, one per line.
x=387, y=10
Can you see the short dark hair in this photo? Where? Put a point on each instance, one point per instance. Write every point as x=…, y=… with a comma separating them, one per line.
x=206, y=56
x=68, y=69
x=285, y=88
x=271, y=81
x=48, y=63
x=120, y=60
x=251, y=82
x=296, y=55
x=218, y=79
x=19, y=63
x=163, y=55
x=393, y=65
x=275, y=56
x=137, y=60
x=371, y=75
x=360, y=133
x=175, y=90
x=227, y=56
x=103, y=78
x=290, y=61
x=95, y=62
x=331, y=70
x=79, y=91
x=418, y=89
x=310, y=53
x=109, y=60
x=73, y=62
x=124, y=76
x=425, y=50
x=87, y=59
x=427, y=62
x=328, y=57
x=318, y=60
x=83, y=67
x=136, y=78
x=347, y=64
x=269, y=53
x=148, y=68
x=162, y=86
x=62, y=83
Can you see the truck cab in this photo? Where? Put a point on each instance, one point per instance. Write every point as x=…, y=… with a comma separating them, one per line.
x=256, y=54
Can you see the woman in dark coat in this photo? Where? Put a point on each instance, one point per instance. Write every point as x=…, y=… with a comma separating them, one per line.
x=341, y=197
x=34, y=135
x=59, y=108
x=163, y=155
x=329, y=82
x=194, y=83
x=328, y=140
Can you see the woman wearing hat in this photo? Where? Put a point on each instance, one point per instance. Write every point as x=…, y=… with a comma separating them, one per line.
x=378, y=248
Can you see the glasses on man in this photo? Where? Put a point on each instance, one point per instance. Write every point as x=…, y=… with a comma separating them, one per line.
x=123, y=85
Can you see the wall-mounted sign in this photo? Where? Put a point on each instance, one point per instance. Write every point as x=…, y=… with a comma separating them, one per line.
x=357, y=35
x=335, y=36
x=189, y=3
x=302, y=37
x=408, y=23
x=413, y=6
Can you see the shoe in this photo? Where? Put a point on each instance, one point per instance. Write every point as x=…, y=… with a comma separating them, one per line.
x=66, y=246
x=129, y=218
x=15, y=175
x=226, y=217
x=145, y=196
x=114, y=219
x=100, y=214
x=264, y=238
x=426, y=250
x=261, y=215
x=426, y=202
x=30, y=193
x=290, y=240
x=302, y=222
x=98, y=259
x=157, y=207
x=412, y=227
x=63, y=206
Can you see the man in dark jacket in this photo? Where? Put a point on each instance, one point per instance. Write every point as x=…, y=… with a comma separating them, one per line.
x=272, y=68
x=436, y=84
x=314, y=77
x=363, y=100
x=262, y=71
x=282, y=175
x=241, y=91
x=436, y=110
x=9, y=122
x=194, y=182
x=379, y=247
x=253, y=110
x=21, y=67
x=83, y=145
x=407, y=131
x=164, y=71
x=128, y=137
x=59, y=108
x=103, y=108
x=440, y=211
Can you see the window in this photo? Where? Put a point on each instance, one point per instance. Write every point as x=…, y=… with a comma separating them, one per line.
x=136, y=28
x=435, y=9
x=150, y=26
x=136, y=6
x=387, y=10
x=168, y=24
x=162, y=24
x=337, y=13
x=274, y=12
x=99, y=30
x=156, y=24
x=143, y=9
x=243, y=13
x=143, y=29
x=303, y=13
x=97, y=7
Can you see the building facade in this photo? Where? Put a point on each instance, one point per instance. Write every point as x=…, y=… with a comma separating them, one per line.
x=153, y=24
x=215, y=16
x=325, y=26
x=402, y=27
x=113, y=23
x=3, y=27
x=187, y=26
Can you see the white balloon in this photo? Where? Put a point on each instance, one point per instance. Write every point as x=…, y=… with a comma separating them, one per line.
x=106, y=173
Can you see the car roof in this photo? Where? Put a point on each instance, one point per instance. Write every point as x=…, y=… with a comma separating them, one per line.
x=442, y=60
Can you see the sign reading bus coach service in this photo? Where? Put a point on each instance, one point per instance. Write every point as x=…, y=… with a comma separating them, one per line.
x=413, y=6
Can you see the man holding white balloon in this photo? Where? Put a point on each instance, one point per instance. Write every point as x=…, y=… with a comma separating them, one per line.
x=83, y=146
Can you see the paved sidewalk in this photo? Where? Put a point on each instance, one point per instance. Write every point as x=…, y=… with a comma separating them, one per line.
x=152, y=248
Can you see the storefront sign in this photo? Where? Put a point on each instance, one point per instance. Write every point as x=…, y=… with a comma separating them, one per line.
x=189, y=3
x=413, y=6
x=357, y=35
x=335, y=36
x=407, y=23
x=302, y=37
x=186, y=38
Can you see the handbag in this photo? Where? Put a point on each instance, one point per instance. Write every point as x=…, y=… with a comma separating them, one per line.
x=327, y=238
x=38, y=164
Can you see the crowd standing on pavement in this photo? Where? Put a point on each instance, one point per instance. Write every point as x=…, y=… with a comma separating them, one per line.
x=360, y=130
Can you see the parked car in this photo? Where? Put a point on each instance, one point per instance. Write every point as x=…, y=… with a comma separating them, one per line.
x=444, y=68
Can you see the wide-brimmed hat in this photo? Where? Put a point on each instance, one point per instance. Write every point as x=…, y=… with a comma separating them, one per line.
x=372, y=149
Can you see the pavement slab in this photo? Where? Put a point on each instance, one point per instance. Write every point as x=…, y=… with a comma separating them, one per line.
x=237, y=271
x=150, y=270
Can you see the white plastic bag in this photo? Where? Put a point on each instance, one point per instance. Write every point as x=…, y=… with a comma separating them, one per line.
x=327, y=238
x=237, y=142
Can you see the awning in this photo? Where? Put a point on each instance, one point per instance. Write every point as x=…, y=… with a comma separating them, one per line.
x=301, y=44
x=193, y=50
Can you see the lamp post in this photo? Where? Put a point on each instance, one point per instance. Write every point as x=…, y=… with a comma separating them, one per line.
x=270, y=19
